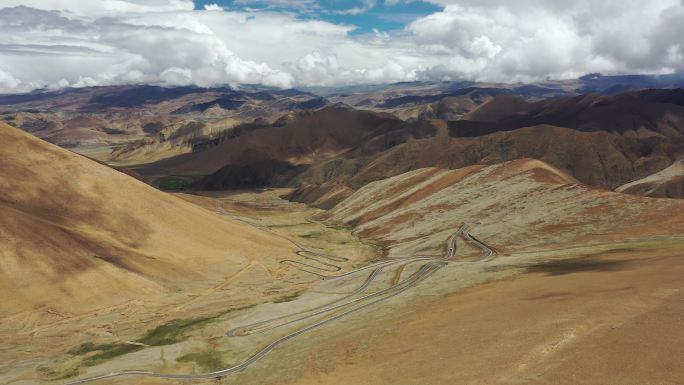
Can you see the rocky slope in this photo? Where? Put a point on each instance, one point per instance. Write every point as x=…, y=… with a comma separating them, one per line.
x=667, y=183
x=604, y=141
x=519, y=205
x=311, y=137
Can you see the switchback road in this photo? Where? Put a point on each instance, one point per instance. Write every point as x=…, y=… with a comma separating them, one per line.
x=356, y=300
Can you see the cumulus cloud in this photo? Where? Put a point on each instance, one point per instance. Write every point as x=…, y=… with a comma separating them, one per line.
x=176, y=49
x=57, y=43
x=530, y=39
x=8, y=82
x=104, y=7
x=213, y=7
x=317, y=70
x=280, y=4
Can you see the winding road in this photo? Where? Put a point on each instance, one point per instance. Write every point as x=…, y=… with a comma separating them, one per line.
x=352, y=302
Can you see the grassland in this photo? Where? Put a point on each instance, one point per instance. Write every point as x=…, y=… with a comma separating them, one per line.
x=173, y=331
x=208, y=360
x=287, y=297
x=173, y=183
x=104, y=351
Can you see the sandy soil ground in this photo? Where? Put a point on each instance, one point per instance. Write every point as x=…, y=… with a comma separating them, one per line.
x=611, y=318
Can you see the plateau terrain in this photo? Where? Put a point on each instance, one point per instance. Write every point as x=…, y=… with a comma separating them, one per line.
x=349, y=192
x=464, y=233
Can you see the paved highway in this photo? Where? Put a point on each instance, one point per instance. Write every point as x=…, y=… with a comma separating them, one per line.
x=358, y=299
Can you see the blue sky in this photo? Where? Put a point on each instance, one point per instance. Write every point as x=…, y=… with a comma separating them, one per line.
x=365, y=15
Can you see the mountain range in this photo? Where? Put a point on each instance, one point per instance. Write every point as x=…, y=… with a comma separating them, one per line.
x=613, y=133
x=562, y=184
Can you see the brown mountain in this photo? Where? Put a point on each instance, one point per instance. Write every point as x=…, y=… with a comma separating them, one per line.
x=603, y=141
x=646, y=113
x=592, y=282
x=311, y=137
x=667, y=183
x=77, y=235
x=523, y=204
x=262, y=173
x=142, y=123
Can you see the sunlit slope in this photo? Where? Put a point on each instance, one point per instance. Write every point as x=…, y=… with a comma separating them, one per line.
x=76, y=235
x=521, y=205
x=667, y=183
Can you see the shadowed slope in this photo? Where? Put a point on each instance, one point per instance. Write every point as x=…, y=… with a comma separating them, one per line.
x=649, y=113
x=600, y=159
x=310, y=138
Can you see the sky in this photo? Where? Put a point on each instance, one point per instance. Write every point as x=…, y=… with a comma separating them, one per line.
x=365, y=16
x=52, y=44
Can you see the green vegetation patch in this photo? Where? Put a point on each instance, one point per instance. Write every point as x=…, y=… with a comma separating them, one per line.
x=109, y=351
x=167, y=334
x=339, y=226
x=84, y=348
x=287, y=297
x=209, y=360
x=172, y=332
x=56, y=374
x=73, y=372
x=175, y=331
x=173, y=183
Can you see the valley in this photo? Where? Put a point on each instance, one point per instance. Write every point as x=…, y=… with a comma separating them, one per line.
x=400, y=248
x=141, y=330
x=482, y=234
x=351, y=192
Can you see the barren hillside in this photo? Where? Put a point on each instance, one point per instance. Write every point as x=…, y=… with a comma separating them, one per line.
x=667, y=183
x=76, y=235
x=523, y=204
x=585, y=286
x=311, y=137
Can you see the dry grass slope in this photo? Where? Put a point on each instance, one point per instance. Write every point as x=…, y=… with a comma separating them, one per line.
x=77, y=235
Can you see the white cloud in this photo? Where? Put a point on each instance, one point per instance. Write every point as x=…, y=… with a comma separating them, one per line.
x=103, y=7
x=365, y=7
x=280, y=4
x=213, y=7
x=531, y=39
x=176, y=76
x=318, y=70
x=53, y=43
x=175, y=49
x=8, y=82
